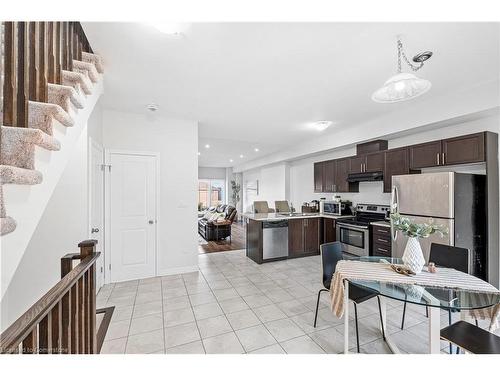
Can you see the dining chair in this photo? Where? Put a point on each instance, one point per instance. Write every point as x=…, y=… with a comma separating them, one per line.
x=261, y=207
x=282, y=206
x=449, y=257
x=331, y=254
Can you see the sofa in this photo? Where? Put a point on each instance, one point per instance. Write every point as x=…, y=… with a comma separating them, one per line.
x=212, y=232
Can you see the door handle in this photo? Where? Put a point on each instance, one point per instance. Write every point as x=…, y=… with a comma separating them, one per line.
x=442, y=158
x=94, y=230
x=151, y=222
x=437, y=158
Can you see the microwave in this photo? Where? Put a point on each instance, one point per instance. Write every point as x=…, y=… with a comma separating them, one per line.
x=335, y=208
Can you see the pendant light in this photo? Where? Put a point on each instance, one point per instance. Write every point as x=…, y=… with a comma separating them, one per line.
x=404, y=86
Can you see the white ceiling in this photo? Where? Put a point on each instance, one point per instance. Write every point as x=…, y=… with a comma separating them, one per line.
x=259, y=84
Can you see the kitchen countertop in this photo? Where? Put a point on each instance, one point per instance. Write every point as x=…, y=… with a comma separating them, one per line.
x=382, y=223
x=276, y=216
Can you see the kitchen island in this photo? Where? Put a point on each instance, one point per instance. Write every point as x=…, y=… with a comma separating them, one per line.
x=277, y=236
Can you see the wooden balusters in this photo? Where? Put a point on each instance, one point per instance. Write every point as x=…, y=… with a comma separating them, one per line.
x=64, y=319
x=34, y=61
x=22, y=74
x=42, y=62
x=30, y=343
x=9, y=89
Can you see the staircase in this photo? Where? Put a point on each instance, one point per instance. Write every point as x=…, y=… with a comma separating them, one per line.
x=50, y=85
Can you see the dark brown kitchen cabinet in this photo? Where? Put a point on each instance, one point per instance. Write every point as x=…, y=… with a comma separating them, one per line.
x=303, y=237
x=319, y=169
x=329, y=176
x=341, y=174
x=295, y=237
x=311, y=235
x=357, y=164
x=425, y=155
x=374, y=162
x=396, y=163
x=329, y=230
x=465, y=149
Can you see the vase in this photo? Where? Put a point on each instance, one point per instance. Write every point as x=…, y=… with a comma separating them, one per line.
x=413, y=257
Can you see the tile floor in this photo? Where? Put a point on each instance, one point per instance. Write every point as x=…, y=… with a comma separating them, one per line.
x=233, y=305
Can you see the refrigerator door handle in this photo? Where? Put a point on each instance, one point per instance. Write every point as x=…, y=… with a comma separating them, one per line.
x=394, y=210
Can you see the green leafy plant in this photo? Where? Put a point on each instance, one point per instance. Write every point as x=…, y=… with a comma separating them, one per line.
x=412, y=229
x=236, y=188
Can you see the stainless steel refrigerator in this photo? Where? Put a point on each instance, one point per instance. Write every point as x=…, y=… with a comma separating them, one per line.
x=455, y=200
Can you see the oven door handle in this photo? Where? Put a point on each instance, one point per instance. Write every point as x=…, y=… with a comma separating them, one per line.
x=352, y=226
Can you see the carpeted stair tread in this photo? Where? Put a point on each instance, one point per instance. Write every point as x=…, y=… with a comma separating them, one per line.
x=18, y=145
x=41, y=115
x=19, y=176
x=94, y=59
x=86, y=68
x=7, y=225
x=64, y=96
x=78, y=81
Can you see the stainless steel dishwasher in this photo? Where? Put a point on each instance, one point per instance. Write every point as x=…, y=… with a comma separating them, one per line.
x=274, y=239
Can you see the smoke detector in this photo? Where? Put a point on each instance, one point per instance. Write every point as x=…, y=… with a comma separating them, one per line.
x=152, y=107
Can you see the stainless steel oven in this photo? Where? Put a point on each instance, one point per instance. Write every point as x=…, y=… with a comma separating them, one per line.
x=354, y=239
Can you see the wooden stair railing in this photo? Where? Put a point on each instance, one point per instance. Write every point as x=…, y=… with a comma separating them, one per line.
x=35, y=53
x=63, y=321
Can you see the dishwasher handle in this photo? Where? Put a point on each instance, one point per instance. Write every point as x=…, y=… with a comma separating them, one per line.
x=275, y=224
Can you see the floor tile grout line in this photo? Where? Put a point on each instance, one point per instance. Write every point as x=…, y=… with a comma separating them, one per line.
x=163, y=318
x=194, y=316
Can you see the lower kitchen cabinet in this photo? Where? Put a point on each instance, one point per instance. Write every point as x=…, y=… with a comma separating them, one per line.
x=381, y=245
x=329, y=230
x=303, y=237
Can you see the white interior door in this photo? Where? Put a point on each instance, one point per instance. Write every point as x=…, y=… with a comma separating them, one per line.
x=132, y=208
x=96, y=205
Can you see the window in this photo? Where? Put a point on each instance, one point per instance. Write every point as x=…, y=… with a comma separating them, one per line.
x=211, y=193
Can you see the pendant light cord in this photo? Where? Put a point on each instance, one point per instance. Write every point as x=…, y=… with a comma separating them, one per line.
x=401, y=52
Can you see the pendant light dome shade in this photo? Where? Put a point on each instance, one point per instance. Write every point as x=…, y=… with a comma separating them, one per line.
x=401, y=87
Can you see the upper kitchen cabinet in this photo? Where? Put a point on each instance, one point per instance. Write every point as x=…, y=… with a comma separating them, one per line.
x=374, y=162
x=425, y=155
x=329, y=176
x=319, y=169
x=357, y=164
x=342, y=167
x=465, y=149
x=396, y=163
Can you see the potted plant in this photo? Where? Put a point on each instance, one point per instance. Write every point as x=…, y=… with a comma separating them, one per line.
x=235, y=188
x=413, y=257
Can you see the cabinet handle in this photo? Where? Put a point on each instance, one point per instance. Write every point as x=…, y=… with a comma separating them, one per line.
x=437, y=158
x=443, y=159
x=382, y=240
x=382, y=250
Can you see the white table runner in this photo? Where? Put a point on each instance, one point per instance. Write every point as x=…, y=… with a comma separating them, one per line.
x=382, y=272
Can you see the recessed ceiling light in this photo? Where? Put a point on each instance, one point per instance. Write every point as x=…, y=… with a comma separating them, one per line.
x=241, y=156
x=153, y=107
x=199, y=153
x=171, y=28
x=256, y=149
x=321, y=125
x=207, y=146
x=231, y=160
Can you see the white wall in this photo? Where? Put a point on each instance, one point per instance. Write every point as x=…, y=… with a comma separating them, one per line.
x=274, y=184
x=177, y=143
x=211, y=173
x=94, y=125
x=62, y=226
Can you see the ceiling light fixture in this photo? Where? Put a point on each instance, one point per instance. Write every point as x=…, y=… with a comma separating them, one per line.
x=170, y=28
x=153, y=107
x=207, y=146
x=256, y=149
x=404, y=86
x=199, y=153
x=321, y=125
x=231, y=160
x=241, y=156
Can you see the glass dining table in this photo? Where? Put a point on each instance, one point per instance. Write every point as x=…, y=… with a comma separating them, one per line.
x=434, y=298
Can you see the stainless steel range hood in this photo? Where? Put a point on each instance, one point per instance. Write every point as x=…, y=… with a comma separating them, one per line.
x=365, y=176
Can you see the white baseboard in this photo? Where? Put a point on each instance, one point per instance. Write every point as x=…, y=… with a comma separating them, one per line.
x=177, y=270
